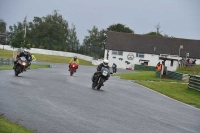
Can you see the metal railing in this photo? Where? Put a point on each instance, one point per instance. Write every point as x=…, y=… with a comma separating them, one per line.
x=6, y=61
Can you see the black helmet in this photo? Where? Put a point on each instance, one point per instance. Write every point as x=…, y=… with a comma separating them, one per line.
x=75, y=58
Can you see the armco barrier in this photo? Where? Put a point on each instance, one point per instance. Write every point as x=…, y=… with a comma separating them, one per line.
x=194, y=82
x=145, y=68
x=6, y=61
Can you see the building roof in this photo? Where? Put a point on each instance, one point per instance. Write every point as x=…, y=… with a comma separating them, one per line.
x=163, y=58
x=152, y=44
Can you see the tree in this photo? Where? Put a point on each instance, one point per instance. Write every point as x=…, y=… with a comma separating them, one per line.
x=93, y=44
x=3, y=34
x=154, y=34
x=49, y=32
x=72, y=40
x=19, y=41
x=119, y=28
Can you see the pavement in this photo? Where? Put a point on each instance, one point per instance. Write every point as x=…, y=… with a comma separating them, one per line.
x=49, y=100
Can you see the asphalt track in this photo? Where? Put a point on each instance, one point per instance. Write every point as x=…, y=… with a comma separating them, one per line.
x=51, y=101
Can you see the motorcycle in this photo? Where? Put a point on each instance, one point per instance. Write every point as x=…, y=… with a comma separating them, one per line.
x=114, y=69
x=72, y=68
x=20, y=65
x=100, y=78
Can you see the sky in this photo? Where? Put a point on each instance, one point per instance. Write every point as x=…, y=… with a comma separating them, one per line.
x=178, y=18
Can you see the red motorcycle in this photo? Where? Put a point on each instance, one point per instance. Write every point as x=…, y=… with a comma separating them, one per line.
x=73, y=67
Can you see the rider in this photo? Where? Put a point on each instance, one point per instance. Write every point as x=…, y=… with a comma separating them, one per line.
x=114, y=66
x=99, y=67
x=27, y=55
x=74, y=59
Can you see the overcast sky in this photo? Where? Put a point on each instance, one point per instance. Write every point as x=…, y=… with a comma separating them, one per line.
x=178, y=18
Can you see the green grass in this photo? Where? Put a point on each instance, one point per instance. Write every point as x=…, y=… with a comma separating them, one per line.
x=189, y=70
x=46, y=58
x=33, y=66
x=8, y=127
x=6, y=53
x=143, y=75
x=176, y=91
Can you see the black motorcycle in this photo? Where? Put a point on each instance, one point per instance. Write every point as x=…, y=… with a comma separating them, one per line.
x=100, y=78
x=114, y=69
x=20, y=65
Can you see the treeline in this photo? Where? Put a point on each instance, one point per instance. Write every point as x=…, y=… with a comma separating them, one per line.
x=54, y=33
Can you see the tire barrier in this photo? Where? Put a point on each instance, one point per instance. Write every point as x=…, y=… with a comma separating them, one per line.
x=145, y=68
x=194, y=82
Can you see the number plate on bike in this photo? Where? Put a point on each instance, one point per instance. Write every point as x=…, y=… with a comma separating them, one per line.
x=105, y=73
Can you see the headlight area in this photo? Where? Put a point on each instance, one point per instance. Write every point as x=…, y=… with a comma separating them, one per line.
x=24, y=63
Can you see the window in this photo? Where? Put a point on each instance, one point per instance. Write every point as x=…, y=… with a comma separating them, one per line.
x=141, y=55
x=114, y=52
x=117, y=52
x=120, y=52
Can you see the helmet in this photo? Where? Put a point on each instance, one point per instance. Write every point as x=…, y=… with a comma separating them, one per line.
x=75, y=58
x=25, y=51
x=105, y=62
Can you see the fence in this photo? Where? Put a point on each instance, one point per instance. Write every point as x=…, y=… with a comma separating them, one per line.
x=194, y=82
x=6, y=61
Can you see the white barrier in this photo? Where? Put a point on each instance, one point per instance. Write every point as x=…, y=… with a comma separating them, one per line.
x=97, y=62
x=52, y=52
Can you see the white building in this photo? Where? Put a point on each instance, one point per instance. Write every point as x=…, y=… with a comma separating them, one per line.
x=126, y=50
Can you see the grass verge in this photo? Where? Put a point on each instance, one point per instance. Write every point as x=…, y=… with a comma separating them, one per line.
x=33, y=66
x=8, y=127
x=45, y=58
x=175, y=89
x=144, y=75
x=195, y=70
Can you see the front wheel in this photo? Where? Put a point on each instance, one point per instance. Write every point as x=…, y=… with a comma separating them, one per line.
x=17, y=70
x=72, y=72
x=16, y=73
x=94, y=85
x=99, y=86
x=100, y=83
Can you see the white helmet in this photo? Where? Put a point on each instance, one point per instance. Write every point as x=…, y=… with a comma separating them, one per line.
x=26, y=51
x=105, y=62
